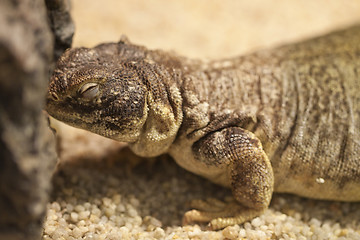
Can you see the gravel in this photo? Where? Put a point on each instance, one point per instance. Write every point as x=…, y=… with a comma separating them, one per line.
x=112, y=199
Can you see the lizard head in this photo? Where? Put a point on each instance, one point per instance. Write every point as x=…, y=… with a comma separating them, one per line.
x=120, y=91
x=89, y=89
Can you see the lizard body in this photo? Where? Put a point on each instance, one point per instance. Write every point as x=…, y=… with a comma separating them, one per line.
x=285, y=119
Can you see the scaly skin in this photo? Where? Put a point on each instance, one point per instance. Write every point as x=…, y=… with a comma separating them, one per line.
x=283, y=120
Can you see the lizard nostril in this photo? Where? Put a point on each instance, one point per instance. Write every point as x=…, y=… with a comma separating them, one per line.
x=54, y=96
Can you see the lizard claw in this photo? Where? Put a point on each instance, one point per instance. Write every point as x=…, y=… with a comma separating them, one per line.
x=219, y=214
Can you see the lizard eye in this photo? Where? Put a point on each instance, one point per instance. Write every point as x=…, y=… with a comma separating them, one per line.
x=89, y=90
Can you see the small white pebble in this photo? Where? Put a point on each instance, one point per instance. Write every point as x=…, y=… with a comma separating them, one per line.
x=84, y=229
x=247, y=226
x=62, y=222
x=120, y=208
x=52, y=217
x=288, y=227
x=151, y=223
x=132, y=212
x=50, y=229
x=242, y=233
x=231, y=232
x=159, y=233
x=306, y=231
x=94, y=218
x=119, y=221
x=46, y=237
x=87, y=205
x=61, y=233
x=195, y=233
x=297, y=216
x=96, y=211
x=81, y=223
x=117, y=199
x=103, y=220
x=56, y=206
x=264, y=228
x=71, y=226
x=282, y=217
x=253, y=234
x=79, y=208
x=77, y=233
x=89, y=236
x=71, y=238
x=124, y=230
x=109, y=211
x=314, y=222
x=84, y=214
x=69, y=207
x=91, y=228
x=106, y=201
x=137, y=220
x=74, y=216
x=278, y=229
x=320, y=180
x=257, y=222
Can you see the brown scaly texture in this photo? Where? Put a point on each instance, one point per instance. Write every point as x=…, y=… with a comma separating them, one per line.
x=285, y=119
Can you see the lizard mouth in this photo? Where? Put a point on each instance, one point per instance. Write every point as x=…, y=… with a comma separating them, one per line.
x=70, y=113
x=63, y=110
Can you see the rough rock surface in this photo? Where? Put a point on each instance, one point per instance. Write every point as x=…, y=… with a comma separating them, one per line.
x=27, y=152
x=61, y=24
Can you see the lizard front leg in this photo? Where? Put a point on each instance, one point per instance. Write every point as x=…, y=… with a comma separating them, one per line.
x=247, y=168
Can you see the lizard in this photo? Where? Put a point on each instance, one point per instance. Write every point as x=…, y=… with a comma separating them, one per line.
x=284, y=119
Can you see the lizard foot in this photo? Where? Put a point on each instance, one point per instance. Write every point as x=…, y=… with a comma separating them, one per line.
x=219, y=214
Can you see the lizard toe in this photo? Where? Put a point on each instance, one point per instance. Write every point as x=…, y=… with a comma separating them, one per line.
x=219, y=214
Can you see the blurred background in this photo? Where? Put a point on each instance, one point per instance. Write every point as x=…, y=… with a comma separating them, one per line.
x=209, y=28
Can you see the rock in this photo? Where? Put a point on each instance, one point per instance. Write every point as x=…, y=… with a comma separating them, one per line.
x=61, y=24
x=27, y=150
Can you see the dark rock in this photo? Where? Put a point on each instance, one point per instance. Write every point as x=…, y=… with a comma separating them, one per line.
x=61, y=25
x=27, y=152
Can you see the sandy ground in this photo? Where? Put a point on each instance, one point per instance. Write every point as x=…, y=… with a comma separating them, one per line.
x=101, y=192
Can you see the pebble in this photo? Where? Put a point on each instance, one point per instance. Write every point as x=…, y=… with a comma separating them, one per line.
x=132, y=207
x=74, y=216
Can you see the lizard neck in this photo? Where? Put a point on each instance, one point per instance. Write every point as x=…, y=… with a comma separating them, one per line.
x=164, y=116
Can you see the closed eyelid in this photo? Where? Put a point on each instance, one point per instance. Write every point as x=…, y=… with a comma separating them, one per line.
x=89, y=90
